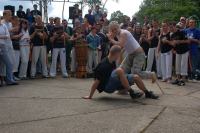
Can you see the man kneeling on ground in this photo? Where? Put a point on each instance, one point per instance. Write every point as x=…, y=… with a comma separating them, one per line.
x=109, y=79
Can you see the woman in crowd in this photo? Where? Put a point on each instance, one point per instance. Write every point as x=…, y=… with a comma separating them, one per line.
x=153, y=36
x=165, y=47
x=137, y=32
x=24, y=49
x=144, y=42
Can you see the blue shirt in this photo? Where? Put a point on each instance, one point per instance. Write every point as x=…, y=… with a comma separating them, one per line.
x=90, y=18
x=93, y=41
x=193, y=34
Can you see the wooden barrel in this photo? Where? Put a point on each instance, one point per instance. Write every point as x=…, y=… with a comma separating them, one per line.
x=81, y=51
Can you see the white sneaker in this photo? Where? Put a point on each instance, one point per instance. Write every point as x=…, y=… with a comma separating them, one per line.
x=65, y=75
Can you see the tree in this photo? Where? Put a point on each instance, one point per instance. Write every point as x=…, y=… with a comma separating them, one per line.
x=168, y=9
x=118, y=16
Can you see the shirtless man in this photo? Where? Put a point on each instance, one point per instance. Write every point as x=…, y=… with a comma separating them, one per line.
x=135, y=58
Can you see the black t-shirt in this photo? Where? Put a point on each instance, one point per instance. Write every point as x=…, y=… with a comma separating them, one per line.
x=137, y=37
x=15, y=42
x=163, y=46
x=36, y=40
x=145, y=46
x=155, y=39
x=59, y=42
x=103, y=72
x=181, y=48
x=21, y=14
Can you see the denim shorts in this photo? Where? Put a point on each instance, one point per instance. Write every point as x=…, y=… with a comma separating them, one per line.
x=114, y=82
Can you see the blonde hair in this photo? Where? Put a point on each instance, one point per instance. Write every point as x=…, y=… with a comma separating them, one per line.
x=114, y=25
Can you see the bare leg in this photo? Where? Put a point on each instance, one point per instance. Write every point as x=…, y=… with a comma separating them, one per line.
x=125, y=84
x=138, y=81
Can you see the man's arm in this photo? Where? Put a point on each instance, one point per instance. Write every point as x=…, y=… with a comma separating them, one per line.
x=93, y=89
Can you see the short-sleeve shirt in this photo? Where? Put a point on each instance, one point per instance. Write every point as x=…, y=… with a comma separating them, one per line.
x=165, y=48
x=193, y=34
x=36, y=40
x=103, y=72
x=93, y=41
x=180, y=48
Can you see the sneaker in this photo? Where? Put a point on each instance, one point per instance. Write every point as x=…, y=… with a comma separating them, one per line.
x=175, y=82
x=151, y=95
x=65, y=75
x=181, y=83
x=16, y=79
x=135, y=95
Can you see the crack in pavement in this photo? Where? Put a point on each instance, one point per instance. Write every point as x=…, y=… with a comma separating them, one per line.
x=154, y=119
x=192, y=92
x=62, y=116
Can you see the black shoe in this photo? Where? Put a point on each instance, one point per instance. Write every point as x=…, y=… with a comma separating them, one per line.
x=151, y=95
x=175, y=82
x=135, y=95
x=181, y=83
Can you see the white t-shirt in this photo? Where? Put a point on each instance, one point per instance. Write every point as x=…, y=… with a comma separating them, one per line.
x=131, y=45
x=9, y=27
x=25, y=38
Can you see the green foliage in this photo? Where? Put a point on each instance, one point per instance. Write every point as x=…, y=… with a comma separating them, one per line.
x=168, y=9
x=118, y=16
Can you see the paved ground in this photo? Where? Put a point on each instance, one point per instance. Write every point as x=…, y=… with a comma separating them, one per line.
x=55, y=106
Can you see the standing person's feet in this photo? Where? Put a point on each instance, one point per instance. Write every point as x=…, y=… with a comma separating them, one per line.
x=16, y=78
x=33, y=77
x=181, y=83
x=65, y=75
x=175, y=82
x=151, y=95
x=45, y=76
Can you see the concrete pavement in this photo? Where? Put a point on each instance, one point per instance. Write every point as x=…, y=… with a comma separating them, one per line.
x=55, y=106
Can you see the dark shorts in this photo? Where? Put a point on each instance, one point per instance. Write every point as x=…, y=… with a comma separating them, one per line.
x=114, y=82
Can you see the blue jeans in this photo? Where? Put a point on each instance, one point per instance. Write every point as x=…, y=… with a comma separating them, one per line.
x=115, y=84
x=4, y=57
x=195, y=63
